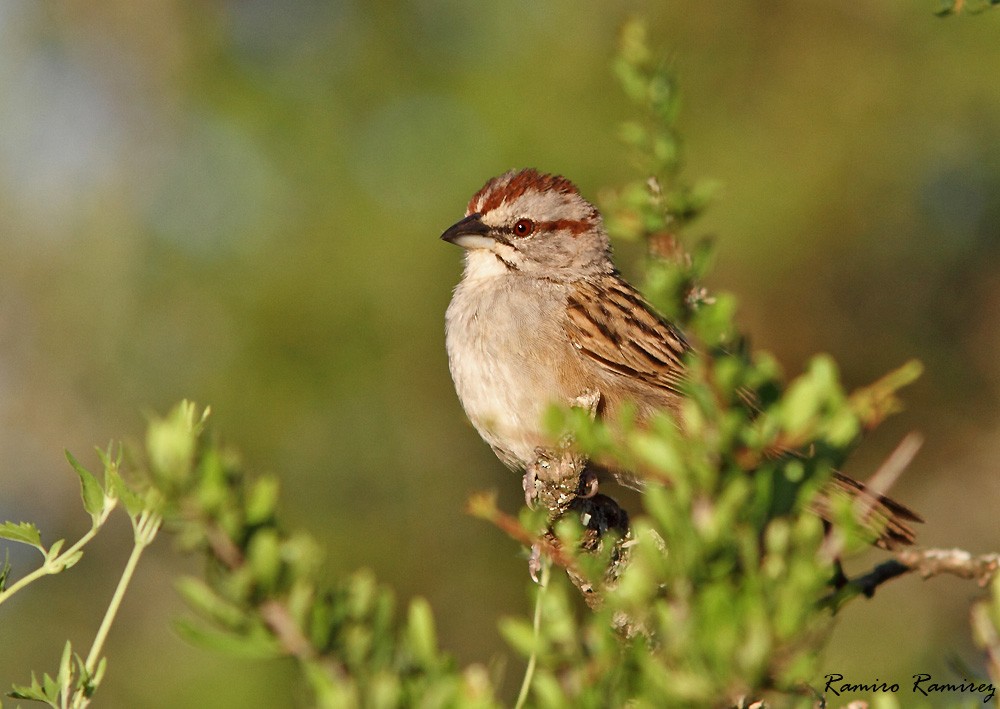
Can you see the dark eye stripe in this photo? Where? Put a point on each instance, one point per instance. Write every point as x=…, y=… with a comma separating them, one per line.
x=573, y=226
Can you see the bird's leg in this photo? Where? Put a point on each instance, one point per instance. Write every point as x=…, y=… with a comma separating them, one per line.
x=559, y=475
x=553, y=479
x=589, y=400
x=560, y=480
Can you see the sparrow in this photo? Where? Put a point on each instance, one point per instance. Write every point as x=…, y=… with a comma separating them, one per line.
x=541, y=316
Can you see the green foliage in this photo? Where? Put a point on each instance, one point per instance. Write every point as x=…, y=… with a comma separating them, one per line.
x=72, y=686
x=260, y=597
x=727, y=567
x=658, y=203
x=721, y=596
x=98, y=501
x=77, y=679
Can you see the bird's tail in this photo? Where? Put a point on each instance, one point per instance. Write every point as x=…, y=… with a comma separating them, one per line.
x=886, y=518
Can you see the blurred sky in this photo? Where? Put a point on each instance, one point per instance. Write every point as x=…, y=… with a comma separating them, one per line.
x=239, y=202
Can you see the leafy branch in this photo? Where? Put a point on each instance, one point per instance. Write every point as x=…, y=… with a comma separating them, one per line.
x=260, y=595
x=54, y=559
x=77, y=679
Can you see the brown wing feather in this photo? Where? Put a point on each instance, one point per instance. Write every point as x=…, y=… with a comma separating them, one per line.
x=886, y=518
x=612, y=325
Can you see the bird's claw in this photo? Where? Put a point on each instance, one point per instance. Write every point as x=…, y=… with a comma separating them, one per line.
x=535, y=562
x=588, y=484
x=530, y=485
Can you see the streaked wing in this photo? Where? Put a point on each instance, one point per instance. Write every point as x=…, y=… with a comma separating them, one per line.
x=885, y=518
x=611, y=325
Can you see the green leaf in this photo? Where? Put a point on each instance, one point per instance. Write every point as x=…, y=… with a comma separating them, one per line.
x=46, y=691
x=843, y=427
x=95, y=680
x=171, y=443
x=902, y=376
x=23, y=532
x=54, y=550
x=548, y=691
x=256, y=644
x=66, y=562
x=632, y=43
x=264, y=558
x=262, y=499
x=70, y=560
x=51, y=686
x=210, y=605
x=519, y=634
x=807, y=395
x=91, y=490
x=420, y=632
x=134, y=504
x=657, y=452
x=65, y=675
x=633, y=133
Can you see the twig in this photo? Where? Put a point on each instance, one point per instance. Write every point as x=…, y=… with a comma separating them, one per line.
x=275, y=613
x=223, y=548
x=926, y=562
x=279, y=620
x=957, y=562
x=483, y=505
x=146, y=527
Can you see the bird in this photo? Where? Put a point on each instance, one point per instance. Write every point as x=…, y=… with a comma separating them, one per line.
x=541, y=315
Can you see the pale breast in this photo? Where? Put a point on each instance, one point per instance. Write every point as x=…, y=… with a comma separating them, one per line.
x=507, y=358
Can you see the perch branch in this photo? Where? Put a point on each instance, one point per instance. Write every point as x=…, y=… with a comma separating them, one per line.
x=927, y=563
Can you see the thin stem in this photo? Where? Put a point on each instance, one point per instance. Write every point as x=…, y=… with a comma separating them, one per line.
x=54, y=566
x=109, y=504
x=145, y=531
x=529, y=671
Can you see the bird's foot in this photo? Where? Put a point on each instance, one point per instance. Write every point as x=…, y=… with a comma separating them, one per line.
x=588, y=484
x=535, y=563
x=530, y=484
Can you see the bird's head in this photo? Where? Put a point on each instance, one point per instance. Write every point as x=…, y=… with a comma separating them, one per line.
x=537, y=224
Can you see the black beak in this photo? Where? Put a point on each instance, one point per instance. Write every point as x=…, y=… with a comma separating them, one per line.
x=469, y=233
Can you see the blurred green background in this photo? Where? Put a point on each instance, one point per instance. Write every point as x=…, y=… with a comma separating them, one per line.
x=239, y=202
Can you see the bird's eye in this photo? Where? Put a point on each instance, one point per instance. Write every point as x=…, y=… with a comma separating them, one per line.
x=524, y=227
